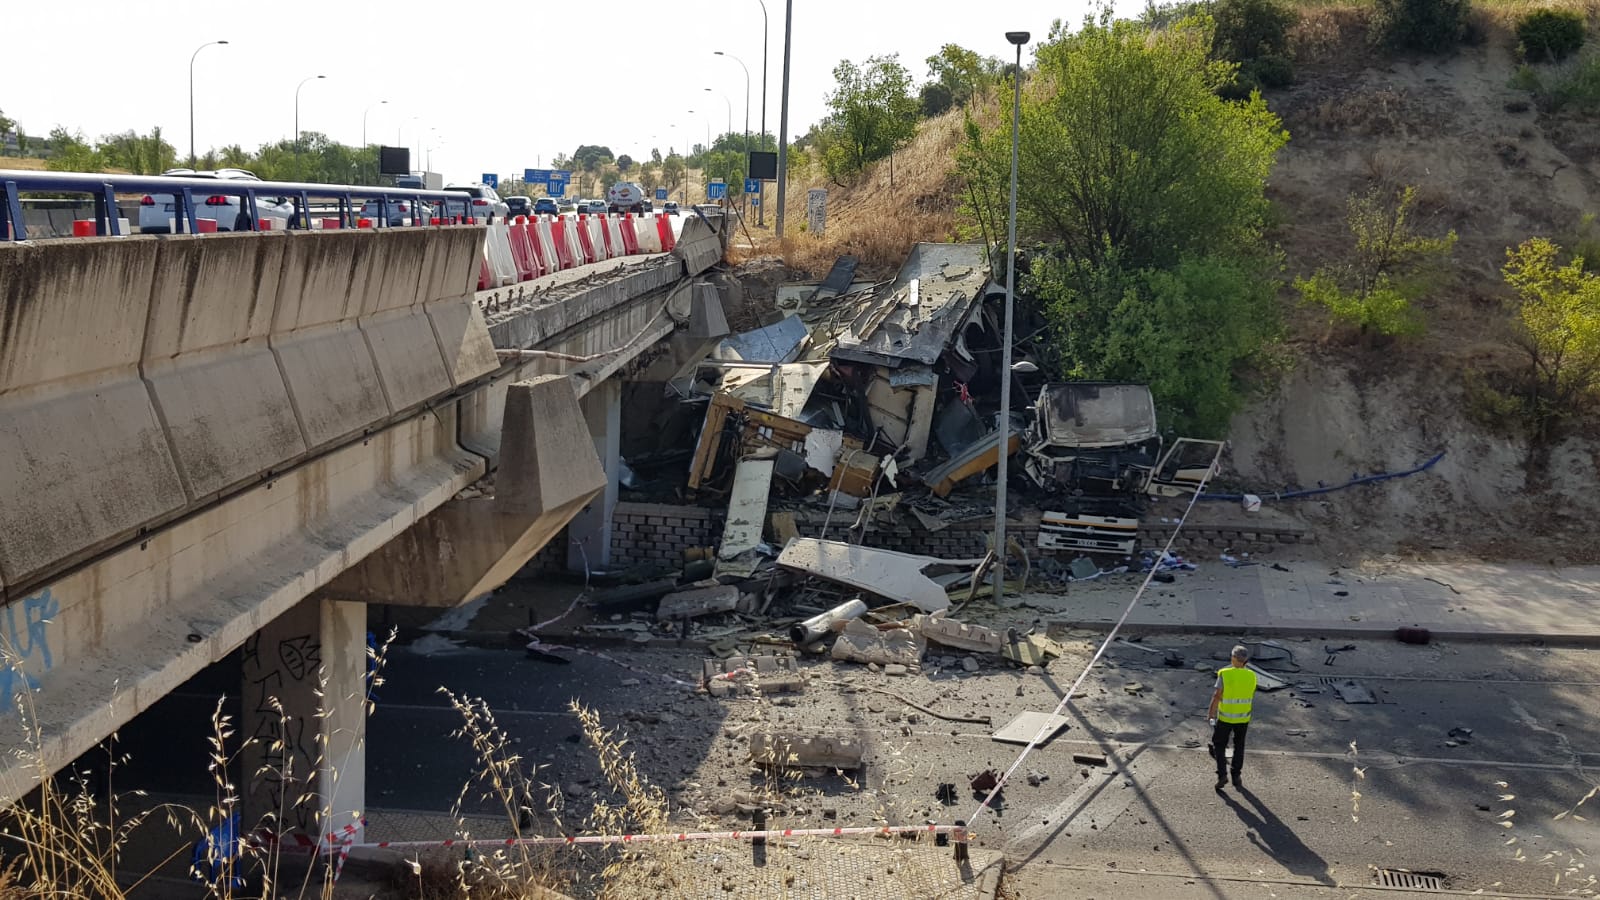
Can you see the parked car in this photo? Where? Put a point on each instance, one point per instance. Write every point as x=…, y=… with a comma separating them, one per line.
x=157, y=212
x=670, y=207
x=519, y=206
x=595, y=208
x=546, y=206
x=485, y=206
x=398, y=212
x=566, y=206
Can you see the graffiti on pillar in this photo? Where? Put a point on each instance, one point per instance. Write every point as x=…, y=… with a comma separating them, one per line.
x=286, y=743
x=25, y=642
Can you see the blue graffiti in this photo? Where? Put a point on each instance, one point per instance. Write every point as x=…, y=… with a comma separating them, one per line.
x=26, y=643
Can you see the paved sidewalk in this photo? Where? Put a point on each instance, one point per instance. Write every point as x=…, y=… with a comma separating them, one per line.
x=1466, y=601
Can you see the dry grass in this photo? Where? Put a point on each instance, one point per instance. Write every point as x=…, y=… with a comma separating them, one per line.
x=21, y=162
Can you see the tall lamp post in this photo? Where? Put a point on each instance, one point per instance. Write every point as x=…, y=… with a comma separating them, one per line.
x=191, y=95
x=1017, y=39
x=783, y=115
x=746, y=95
x=364, y=129
x=297, y=106
x=761, y=211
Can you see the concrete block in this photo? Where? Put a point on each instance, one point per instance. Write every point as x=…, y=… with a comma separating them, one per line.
x=792, y=750
x=410, y=366
x=951, y=633
x=83, y=458
x=206, y=358
x=464, y=339
x=698, y=602
x=333, y=381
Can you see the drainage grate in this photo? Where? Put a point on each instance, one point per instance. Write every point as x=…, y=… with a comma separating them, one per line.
x=1405, y=878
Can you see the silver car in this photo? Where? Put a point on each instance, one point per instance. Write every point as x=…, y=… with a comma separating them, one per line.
x=485, y=205
x=158, y=212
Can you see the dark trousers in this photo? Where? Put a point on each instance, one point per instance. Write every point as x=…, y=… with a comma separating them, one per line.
x=1219, y=745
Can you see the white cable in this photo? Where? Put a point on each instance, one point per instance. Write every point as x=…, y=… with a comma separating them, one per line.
x=1044, y=727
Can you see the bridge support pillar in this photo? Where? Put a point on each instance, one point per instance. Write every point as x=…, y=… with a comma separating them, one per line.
x=305, y=721
x=589, y=532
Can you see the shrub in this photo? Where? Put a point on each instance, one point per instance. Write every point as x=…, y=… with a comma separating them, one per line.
x=1550, y=35
x=1247, y=30
x=1430, y=26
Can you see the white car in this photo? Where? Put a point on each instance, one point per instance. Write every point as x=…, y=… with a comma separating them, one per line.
x=158, y=212
x=485, y=205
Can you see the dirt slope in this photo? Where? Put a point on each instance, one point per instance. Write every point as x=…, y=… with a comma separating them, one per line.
x=1486, y=165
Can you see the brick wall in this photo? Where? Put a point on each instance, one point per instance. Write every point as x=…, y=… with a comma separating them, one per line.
x=659, y=532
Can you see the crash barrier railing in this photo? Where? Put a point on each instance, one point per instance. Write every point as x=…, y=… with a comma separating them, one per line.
x=527, y=247
x=104, y=188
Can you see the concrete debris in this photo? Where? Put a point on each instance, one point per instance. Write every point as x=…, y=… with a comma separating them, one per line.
x=969, y=664
x=1266, y=681
x=1037, y=778
x=895, y=576
x=1028, y=726
x=791, y=750
x=629, y=596
x=950, y=633
x=699, y=601
x=860, y=642
x=1029, y=649
x=981, y=456
x=751, y=675
x=1094, y=759
x=747, y=508
x=984, y=781
x=1351, y=692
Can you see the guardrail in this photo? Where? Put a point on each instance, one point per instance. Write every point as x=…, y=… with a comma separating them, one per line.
x=104, y=188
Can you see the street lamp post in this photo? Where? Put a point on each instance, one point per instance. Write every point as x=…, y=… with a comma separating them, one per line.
x=364, y=130
x=746, y=95
x=761, y=211
x=297, y=106
x=1017, y=39
x=191, y=96
x=783, y=115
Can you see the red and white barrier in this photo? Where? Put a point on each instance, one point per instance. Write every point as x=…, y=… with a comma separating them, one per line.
x=630, y=235
x=647, y=238
x=586, y=240
x=544, y=244
x=614, y=236
x=521, y=253
x=664, y=232
x=497, y=247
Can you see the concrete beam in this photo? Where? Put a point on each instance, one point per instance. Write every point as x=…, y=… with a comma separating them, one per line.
x=576, y=307
x=548, y=472
x=703, y=242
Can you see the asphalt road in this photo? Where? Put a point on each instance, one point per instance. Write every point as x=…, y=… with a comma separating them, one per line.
x=1149, y=824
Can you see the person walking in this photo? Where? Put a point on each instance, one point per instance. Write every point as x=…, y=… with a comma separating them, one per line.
x=1230, y=713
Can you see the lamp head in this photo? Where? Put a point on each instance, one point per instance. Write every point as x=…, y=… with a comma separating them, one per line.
x=221, y=42
x=1017, y=37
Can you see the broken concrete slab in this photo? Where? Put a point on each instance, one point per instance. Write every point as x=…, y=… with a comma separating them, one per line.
x=627, y=596
x=1350, y=692
x=860, y=642
x=747, y=508
x=767, y=674
x=792, y=750
x=1265, y=681
x=776, y=344
x=1028, y=726
x=1030, y=649
x=700, y=601
x=950, y=633
x=897, y=576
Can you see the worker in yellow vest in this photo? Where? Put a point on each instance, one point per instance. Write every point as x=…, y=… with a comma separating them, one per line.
x=1230, y=713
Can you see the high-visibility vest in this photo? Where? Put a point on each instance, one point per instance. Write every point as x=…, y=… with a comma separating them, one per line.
x=1238, y=690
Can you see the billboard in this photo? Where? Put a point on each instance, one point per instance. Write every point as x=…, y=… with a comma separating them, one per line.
x=763, y=165
x=394, y=160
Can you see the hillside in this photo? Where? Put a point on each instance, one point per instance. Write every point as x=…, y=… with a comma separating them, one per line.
x=1487, y=164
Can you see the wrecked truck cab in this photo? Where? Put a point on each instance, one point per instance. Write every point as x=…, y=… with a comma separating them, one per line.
x=1094, y=443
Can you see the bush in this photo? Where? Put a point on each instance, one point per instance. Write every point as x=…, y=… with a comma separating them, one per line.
x=1550, y=35
x=1248, y=30
x=1430, y=26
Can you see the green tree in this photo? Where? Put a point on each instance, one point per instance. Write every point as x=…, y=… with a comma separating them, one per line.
x=673, y=171
x=69, y=152
x=1557, y=310
x=655, y=155
x=1147, y=192
x=961, y=74
x=1125, y=145
x=1390, y=267
x=624, y=163
x=147, y=154
x=872, y=114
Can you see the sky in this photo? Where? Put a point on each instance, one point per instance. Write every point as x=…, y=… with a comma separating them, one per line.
x=486, y=86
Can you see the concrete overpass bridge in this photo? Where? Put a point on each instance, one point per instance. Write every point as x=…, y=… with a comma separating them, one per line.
x=217, y=441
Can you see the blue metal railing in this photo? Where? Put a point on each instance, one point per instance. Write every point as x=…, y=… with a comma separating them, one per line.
x=104, y=188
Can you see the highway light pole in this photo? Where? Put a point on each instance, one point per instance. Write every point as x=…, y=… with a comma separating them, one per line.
x=297, y=107
x=191, y=96
x=364, y=129
x=783, y=115
x=1017, y=39
x=746, y=96
x=761, y=210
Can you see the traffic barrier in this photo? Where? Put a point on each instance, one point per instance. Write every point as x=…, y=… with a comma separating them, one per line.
x=630, y=235
x=367, y=223
x=586, y=240
x=547, y=245
x=265, y=224
x=664, y=232
x=536, y=248
x=208, y=226
x=597, y=228
x=613, y=247
x=497, y=247
x=645, y=234
x=574, y=242
x=521, y=254
x=84, y=228
x=619, y=247
x=327, y=225
x=558, y=232
x=485, y=277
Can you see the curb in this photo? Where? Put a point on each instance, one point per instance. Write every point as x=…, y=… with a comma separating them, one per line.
x=1341, y=631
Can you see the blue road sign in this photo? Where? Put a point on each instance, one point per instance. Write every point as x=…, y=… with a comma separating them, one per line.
x=556, y=189
x=492, y=180
x=716, y=190
x=751, y=186
x=536, y=176
x=661, y=193
x=561, y=176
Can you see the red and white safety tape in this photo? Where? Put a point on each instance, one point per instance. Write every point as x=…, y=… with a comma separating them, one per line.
x=339, y=843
